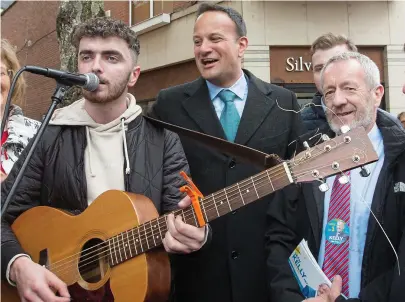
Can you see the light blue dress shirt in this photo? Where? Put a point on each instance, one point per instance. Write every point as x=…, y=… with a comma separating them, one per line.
x=361, y=193
x=240, y=88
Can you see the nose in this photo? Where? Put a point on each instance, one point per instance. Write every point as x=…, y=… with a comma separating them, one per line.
x=339, y=98
x=205, y=47
x=97, y=66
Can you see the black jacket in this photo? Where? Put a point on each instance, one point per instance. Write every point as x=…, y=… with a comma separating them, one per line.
x=55, y=175
x=232, y=266
x=314, y=116
x=297, y=213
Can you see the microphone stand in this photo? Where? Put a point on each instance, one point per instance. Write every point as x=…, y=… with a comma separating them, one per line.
x=57, y=97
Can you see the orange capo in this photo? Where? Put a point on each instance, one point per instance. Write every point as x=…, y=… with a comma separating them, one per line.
x=195, y=195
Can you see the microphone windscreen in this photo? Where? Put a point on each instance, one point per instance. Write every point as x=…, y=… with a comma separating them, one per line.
x=92, y=82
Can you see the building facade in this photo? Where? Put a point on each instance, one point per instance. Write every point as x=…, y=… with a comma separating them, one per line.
x=280, y=34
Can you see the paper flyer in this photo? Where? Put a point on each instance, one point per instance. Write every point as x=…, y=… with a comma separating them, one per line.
x=306, y=270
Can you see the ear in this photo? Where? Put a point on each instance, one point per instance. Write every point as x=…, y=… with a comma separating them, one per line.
x=378, y=94
x=133, y=78
x=243, y=44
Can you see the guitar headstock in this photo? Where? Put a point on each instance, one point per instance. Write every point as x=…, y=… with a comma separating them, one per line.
x=344, y=152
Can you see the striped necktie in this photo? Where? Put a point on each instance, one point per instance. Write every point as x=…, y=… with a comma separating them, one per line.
x=336, y=260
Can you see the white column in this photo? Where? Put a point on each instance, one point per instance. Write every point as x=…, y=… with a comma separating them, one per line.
x=257, y=61
x=394, y=78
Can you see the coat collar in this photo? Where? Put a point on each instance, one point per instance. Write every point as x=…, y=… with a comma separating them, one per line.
x=199, y=107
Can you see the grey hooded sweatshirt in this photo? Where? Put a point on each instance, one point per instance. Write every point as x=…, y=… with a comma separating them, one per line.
x=106, y=151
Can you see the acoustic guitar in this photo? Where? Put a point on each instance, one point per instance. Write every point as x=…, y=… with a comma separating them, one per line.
x=112, y=251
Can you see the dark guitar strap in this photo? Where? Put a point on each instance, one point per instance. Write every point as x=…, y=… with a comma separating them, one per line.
x=242, y=153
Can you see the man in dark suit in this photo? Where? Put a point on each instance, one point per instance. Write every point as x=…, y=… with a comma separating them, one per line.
x=230, y=103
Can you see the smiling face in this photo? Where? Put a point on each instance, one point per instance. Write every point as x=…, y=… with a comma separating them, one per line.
x=112, y=61
x=218, y=50
x=348, y=95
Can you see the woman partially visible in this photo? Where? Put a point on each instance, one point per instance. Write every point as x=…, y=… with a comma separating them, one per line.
x=19, y=129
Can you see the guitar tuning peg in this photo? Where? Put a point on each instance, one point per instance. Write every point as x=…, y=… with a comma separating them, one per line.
x=344, y=129
x=325, y=137
x=365, y=172
x=308, y=148
x=323, y=187
x=343, y=179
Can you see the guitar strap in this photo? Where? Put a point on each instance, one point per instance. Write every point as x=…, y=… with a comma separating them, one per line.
x=243, y=153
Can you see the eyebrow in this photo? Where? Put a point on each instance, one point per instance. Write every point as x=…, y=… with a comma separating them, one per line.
x=216, y=33
x=318, y=65
x=350, y=83
x=105, y=52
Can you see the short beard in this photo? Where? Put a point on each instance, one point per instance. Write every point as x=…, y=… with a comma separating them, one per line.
x=114, y=92
x=363, y=120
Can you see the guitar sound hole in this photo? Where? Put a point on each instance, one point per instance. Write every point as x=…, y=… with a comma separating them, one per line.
x=93, y=263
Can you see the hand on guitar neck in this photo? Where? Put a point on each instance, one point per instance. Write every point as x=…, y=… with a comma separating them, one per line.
x=182, y=238
x=35, y=283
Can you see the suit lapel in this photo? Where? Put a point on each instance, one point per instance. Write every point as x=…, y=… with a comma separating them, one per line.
x=315, y=206
x=257, y=107
x=200, y=109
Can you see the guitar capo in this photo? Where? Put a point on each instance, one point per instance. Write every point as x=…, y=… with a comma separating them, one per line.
x=196, y=197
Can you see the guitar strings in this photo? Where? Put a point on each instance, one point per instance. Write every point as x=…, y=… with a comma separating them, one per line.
x=122, y=240
x=96, y=258
x=177, y=212
x=205, y=199
x=123, y=245
x=105, y=249
x=146, y=234
x=203, y=204
x=106, y=254
x=101, y=256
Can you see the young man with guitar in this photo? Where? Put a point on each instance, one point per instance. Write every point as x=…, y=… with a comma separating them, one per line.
x=360, y=258
x=98, y=143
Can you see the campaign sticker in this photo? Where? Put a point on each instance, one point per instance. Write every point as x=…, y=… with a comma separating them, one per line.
x=337, y=231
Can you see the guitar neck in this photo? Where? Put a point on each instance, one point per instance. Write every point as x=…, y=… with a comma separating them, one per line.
x=138, y=240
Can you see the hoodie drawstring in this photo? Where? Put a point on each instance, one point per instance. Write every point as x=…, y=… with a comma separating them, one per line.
x=89, y=148
x=127, y=169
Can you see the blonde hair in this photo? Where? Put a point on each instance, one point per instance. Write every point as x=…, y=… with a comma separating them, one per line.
x=9, y=58
x=329, y=40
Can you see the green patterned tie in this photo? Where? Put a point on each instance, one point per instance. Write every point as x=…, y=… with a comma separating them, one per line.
x=230, y=117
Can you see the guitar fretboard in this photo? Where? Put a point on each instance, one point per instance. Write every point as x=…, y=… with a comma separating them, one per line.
x=130, y=243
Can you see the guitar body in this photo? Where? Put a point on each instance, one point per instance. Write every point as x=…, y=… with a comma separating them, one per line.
x=56, y=238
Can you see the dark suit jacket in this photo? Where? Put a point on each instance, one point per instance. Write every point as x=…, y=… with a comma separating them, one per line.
x=232, y=266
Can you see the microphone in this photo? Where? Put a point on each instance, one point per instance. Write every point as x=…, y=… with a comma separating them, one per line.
x=88, y=81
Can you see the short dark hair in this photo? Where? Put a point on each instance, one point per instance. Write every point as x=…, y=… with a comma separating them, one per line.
x=235, y=16
x=330, y=40
x=105, y=27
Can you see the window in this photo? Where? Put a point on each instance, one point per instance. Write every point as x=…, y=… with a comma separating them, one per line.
x=147, y=9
